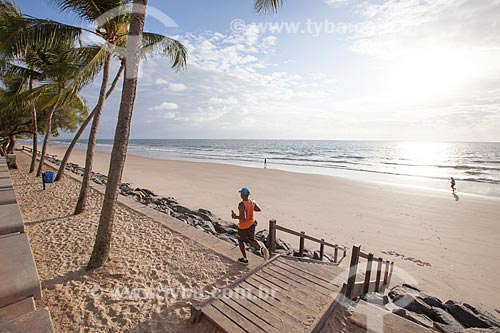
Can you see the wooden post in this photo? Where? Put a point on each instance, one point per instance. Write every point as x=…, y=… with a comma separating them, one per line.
x=271, y=241
x=390, y=274
x=353, y=269
x=368, y=275
x=321, y=249
x=301, y=245
x=336, y=254
x=379, y=273
x=386, y=275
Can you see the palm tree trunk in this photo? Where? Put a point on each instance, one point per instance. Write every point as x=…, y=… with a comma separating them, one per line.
x=89, y=160
x=72, y=145
x=46, y=138
x=12, y=144
x=100, y=253
x=35, y=133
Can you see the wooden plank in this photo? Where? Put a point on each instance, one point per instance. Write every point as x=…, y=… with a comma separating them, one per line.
x=276, y=305
x=236, y=317
x=301, y=287
x=325, y=273
x=293, y=289
x=306, y=284
x=235, y=283
x=284, y=296
x=221, y=320
x=307, y=276
x=282, y=321
x=249, y=314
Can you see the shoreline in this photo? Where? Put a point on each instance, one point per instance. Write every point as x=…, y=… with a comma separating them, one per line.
x=445, y=247
x=465, y=187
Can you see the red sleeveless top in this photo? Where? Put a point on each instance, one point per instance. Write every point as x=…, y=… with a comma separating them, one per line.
x=249, y=207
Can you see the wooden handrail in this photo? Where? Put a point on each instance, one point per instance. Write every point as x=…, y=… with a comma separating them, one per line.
x=272, y=242
x=353, y=289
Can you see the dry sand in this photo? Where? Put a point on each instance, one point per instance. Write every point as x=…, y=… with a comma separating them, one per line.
x=146, y=257
x=447, y=248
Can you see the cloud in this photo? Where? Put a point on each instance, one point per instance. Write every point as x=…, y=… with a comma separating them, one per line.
x=177, y=87
x=223, y=101
x=165, y=106
x=336, y=3
x=161, y=82
x=168, y=115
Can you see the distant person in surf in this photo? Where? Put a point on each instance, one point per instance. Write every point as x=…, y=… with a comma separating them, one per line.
x=265, y=163
x=452, y=182
x=247, y=224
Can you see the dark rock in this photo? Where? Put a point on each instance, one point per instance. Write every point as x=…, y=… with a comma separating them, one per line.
x=228, y=238
x=482, y=330
x=206, y=215
x=416, y=305
x=447, y=323
x=491, y=319
x=282, y=245
x=262, y=236
x=403, y=290
x=181, y=209
x=419, y=319
x=145, y=191
x=376, y=299
x=209, y=227
x=434, y=302
x=466, y=316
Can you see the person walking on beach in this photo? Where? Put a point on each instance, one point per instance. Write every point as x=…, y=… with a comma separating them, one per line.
x=246, y=225
x=265, y=163
x=453, y=188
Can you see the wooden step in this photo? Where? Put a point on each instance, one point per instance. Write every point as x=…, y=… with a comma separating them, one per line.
x=18, y=275
x=37, y=321
x=15, y=310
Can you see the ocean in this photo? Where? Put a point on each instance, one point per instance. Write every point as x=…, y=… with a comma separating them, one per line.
x=416, y=163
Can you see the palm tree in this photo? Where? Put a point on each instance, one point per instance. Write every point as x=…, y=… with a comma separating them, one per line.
x=100, y=252
x=69, y=70
x=113, y=29
x=23, y=40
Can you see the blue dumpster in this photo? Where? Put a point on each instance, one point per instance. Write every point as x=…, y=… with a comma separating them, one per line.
x=48, y=177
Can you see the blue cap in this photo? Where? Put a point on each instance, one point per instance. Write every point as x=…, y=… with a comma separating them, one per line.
x=245, y=191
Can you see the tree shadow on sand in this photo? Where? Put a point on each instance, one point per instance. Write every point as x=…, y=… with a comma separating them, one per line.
x=75, y=275
x=53, y=219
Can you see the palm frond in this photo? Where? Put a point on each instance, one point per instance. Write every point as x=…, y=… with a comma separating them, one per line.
x=20, y=34
x=6, y=68
x=90, y=60
x=169, y=47
x=267, y=6
x=88, y=10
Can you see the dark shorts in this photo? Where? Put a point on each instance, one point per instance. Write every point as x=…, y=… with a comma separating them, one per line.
x=245, y=235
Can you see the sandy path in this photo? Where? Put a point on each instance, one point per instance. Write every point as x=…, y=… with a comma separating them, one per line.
x=128, y=294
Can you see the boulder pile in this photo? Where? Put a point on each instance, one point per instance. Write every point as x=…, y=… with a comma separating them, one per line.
x=428, y=311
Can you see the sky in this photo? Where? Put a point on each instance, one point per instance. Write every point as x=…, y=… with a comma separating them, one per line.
x=411, y=70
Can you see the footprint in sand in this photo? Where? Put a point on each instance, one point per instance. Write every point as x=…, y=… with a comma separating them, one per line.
x=414, y=260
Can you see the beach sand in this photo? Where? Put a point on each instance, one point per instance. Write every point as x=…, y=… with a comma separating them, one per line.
x=143, y=288
x=445, y=247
